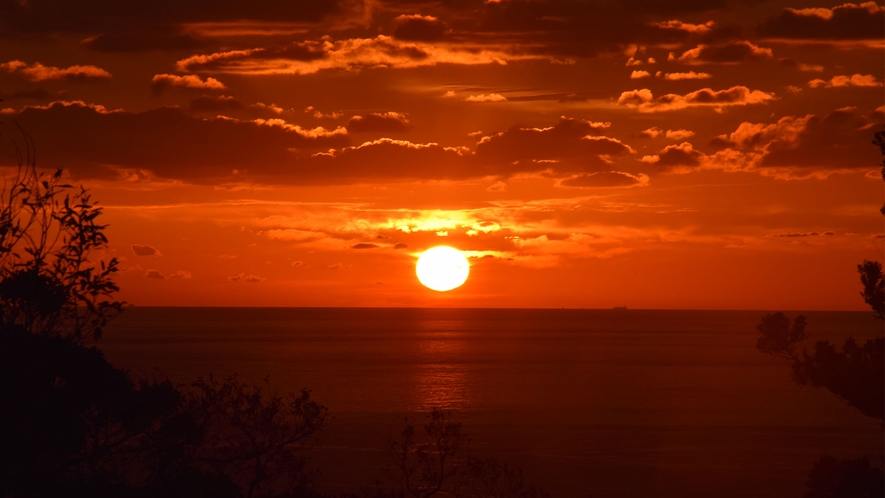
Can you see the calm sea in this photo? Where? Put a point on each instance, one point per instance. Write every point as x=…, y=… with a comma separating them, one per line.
x=601, y=403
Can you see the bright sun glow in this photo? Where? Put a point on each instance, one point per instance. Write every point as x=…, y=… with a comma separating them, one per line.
x=442, y=268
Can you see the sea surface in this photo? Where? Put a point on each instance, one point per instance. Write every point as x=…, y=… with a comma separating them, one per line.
x=590, y=403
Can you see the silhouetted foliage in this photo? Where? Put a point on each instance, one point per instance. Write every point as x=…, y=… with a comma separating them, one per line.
x=850, y=478
x=879, y=141
x=855, y=375
x=48, y=232
x=438, y=462
x=873, y=286
x=254, y=435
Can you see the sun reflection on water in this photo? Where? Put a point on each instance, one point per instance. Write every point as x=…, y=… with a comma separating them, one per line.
x=440, y=379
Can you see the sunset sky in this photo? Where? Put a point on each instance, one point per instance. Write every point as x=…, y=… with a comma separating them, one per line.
x=665, y=154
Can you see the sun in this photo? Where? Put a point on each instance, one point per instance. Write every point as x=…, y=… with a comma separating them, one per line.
x=442, y=268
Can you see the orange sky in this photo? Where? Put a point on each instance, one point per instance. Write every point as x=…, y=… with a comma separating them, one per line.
x=678, y=154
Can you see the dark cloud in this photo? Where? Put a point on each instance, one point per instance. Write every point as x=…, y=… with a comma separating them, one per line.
x=803, y=234
x=94, y=142
x=401, y=245
x=726, y=53
x=387, y=122
x=190, y=82
x=140, y=16
x=679, y=155
x=35, y=94
x=571, y=145
x=242, y=277
x=222, y=103
x=845, y=22
x=645, y=101
x=604, y=179
x=154, y=274
x=364, y=245
x=141, y=42
x=838, y=140
x=418, y=28
x=797, y=147
x=145, y=251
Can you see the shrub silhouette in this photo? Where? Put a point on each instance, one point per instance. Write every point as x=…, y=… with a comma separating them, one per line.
x=438, y=462
x=75, y=425
x=855, y=374
x=48, y=231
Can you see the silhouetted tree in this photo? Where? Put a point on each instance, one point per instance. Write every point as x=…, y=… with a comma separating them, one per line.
x=75, y=425
x=855, y=375
x=851, y=478
x=438, y=462
x=49, y=234
x=253, y=435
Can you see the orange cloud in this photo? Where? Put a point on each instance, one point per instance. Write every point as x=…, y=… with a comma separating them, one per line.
x=727, y=53
x=39, y=72
x=386, y=122
x=604, y=179
x=862, y=80
x=162, y=82
x=691, y=75
x=309, y=57
x=848, y=21
x=682, y=26
x=635, y=75
x=490, y=97
x=644, y=101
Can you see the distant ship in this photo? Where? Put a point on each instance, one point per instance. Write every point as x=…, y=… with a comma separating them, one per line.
x=619, y=308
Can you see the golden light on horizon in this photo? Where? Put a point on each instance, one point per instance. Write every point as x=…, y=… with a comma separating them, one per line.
x=442, y=268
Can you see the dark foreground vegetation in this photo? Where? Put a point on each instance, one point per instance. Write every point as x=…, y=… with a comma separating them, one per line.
x=854, y=373
x=75, y=425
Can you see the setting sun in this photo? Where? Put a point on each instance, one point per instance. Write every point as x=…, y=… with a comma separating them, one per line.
x=442, y=268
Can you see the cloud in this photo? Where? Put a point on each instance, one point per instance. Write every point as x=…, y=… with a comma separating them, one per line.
x=801, y=66
x=364, y=245
x=141, y=42
x=644, y=101
x=604, y=179
x=490, y=97
x=148, y=17
x=242, y=277
x=39, y=72
x=727, y=53
x=401, y=245
x=571, y=145
x=848, y=21
x=691, y=75
x=162, y=82
x=35, y=94
x=418, y=28
x=312, y=56
x=221, y=103
x=803, y=234
x=181, y=274
x=498, y=186
x=679, y=134
x=387, y=122
x=862, y=80
x=655, y=132
x=800, y=146
x=94, y=142
x=675, y=156
x=154, y=274
x=145, y=251
x=635, y=75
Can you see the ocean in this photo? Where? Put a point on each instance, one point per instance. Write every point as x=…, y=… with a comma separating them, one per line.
x=590, y=403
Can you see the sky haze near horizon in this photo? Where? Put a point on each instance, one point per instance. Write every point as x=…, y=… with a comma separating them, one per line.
x=679, y=154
